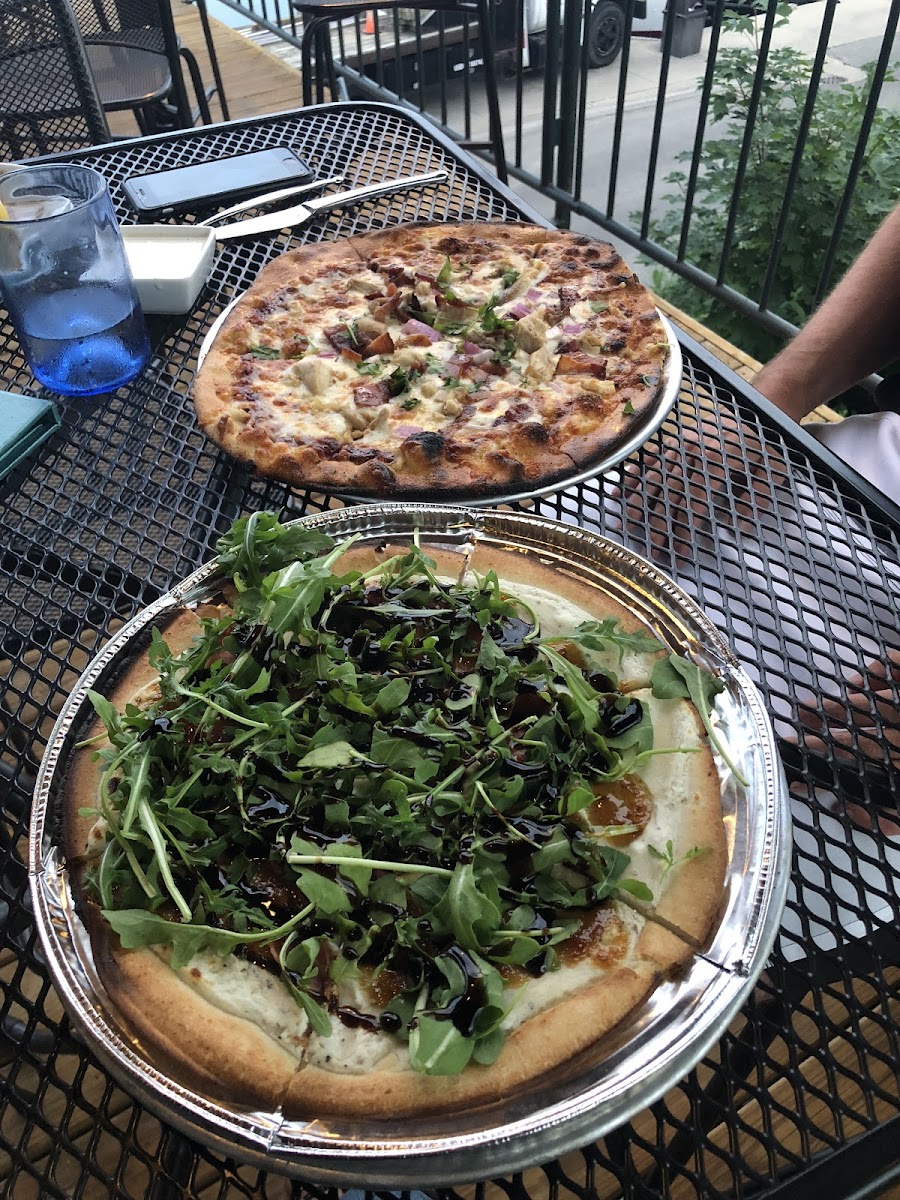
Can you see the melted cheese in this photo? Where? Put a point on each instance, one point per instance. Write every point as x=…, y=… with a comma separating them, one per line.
x=303, y=408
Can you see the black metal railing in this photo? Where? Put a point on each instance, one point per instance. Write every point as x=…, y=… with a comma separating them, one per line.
x=695, y=207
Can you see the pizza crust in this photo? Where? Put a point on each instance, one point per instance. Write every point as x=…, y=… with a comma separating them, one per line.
x=227, y=1058
x=542, y=1044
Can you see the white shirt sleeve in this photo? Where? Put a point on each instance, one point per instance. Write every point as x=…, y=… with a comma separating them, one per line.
x=870, y=444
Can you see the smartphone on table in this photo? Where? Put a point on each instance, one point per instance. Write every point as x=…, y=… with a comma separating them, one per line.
x=201, y=185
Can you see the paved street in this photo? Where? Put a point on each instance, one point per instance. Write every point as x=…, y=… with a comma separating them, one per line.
x=855, y=40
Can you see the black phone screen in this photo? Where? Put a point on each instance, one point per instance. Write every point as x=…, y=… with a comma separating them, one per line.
x=186, y=188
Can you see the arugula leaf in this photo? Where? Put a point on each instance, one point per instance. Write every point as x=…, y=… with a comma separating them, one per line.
x=679, y=678
x=436, y=1047
x=137, y=928
x=606, y=634
x=259, y=544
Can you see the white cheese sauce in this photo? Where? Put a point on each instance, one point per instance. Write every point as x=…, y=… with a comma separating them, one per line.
x=244, y=990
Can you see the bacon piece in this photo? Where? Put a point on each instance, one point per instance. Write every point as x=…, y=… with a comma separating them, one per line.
x=568, y=295
x=371, y=395
x=581, y=364
x=382, y=309
x=342, y=340
x=414, y=339
x=383, y=344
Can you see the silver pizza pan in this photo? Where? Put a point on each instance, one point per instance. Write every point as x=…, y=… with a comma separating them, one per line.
x=641, y=431
x=567, y=1108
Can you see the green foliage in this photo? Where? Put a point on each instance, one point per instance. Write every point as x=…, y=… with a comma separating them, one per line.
x=823, y=173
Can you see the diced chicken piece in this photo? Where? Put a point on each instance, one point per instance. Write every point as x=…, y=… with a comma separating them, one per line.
x=410, y=357
x=367, y=329
x=600, y=387
x=364, y=283
x=530, y=332
x=429, y=386
x=541, y=366
x=360, y=418
x=452, y=407
x=314, y=373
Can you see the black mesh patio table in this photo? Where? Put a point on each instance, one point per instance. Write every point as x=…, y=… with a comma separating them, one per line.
x=794, y=559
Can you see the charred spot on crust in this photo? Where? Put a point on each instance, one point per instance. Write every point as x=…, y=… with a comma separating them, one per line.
x=377, y=476
x=512, y=468
x=516, y=413
x=535, y=432
x=328, y=447
x=359, y=454
x=452, y=245
x=430, y=445
x=616, y=341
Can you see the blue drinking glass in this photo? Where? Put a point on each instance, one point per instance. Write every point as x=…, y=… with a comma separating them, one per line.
x=66, y=282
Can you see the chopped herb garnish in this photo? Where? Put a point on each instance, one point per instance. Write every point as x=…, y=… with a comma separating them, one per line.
x=265, y=352
x=410, y=403
x=400, y=381
x=490, y=322
x=508, y=278
x=445, y=272
x=627, y=408
x=372, y=366
x=599, y=306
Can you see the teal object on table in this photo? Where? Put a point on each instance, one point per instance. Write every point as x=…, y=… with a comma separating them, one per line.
x=25, y=422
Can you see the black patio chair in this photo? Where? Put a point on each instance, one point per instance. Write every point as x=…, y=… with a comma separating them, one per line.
x=48, y=97
x=318, y=56
x=136, y=58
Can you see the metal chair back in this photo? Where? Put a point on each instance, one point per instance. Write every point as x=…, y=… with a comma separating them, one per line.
x=48, y=99
x=135, y=23
x=145, y=25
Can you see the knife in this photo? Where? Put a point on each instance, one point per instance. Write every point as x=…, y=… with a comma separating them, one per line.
x=299, y=214
x=273, y=197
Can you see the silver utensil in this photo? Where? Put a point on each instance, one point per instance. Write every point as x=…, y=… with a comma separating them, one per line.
x=300, y=189
x=299, y=214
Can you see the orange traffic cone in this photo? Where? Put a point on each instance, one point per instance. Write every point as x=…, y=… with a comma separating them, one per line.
x=370, y=21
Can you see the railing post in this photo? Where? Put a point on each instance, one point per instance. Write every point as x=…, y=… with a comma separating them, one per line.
x=550, y=129
x=574, y=23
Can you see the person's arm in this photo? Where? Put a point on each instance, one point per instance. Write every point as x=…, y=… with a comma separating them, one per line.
x=855, y=332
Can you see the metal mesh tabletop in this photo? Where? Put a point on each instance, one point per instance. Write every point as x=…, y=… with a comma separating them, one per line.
x=797, y=565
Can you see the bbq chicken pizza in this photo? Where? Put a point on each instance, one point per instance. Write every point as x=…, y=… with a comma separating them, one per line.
x=443, y=359
x=363, y=834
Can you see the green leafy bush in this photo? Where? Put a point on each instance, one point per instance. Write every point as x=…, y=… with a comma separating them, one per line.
x=823, y=174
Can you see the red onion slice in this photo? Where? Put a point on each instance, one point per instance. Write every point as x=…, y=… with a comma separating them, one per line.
x=414, y=326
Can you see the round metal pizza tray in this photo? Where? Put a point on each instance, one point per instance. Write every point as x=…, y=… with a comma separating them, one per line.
x=641, y=432
x=567, y=1108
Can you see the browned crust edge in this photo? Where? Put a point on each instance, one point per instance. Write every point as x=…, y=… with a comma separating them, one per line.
x=225, y=1057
